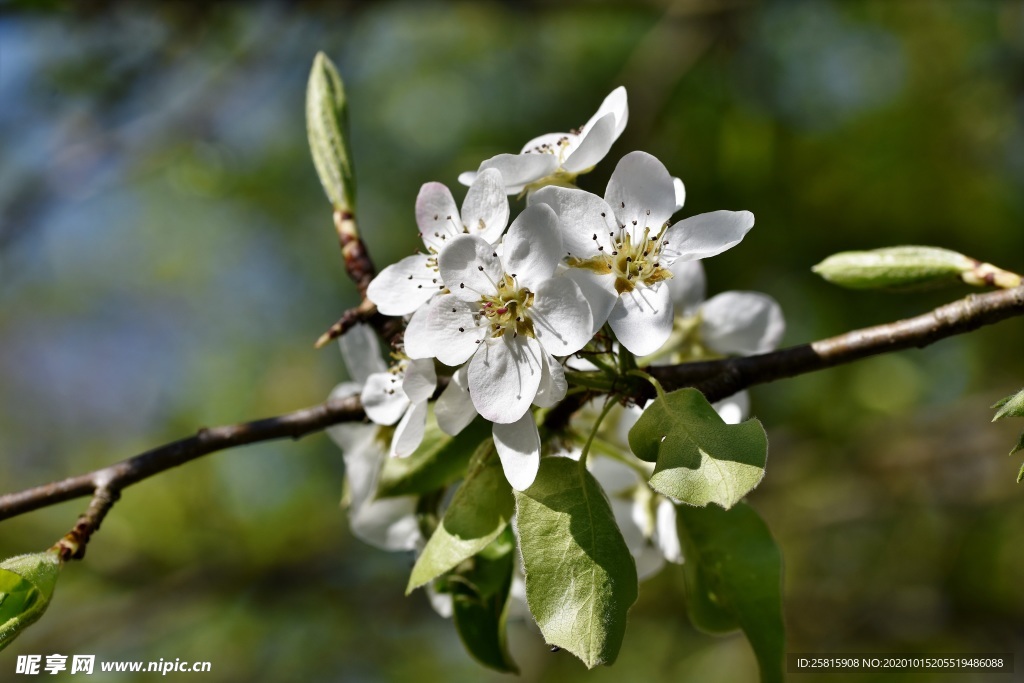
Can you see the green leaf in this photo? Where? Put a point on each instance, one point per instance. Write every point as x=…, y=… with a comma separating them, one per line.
x=439, y=461
x=733, y=573
x=480, y=603
x=26, y=585
x=701, y=459
x=1011, y=406
x=580, y=578
x=327, y=129
x=894, y=267
x=479, y=512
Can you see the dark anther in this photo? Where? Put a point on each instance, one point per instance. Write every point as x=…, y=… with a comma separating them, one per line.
x=462, y=285
x=480, y=268
x=462, y=329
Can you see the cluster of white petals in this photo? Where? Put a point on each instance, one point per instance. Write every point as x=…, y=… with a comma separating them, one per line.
x=557, y=158
x=621, y=249
x=497, y=316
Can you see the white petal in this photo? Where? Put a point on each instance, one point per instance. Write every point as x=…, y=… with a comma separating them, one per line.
x=642, y=319
x=518, y=445
x=470, y=267
x=593, y=146
x=454, y=408
x=665, y=533
x=599, y=291
x=586, y=220
x=733, y=409
x=485, y=209
x=409, y=432
x=467, y=177
x=742, y=323
x=649, y=562
x=561, y=316
x=518, y=170
x=403, y=287
x=616, y=104
x=677, y=184
x=363, y=458
x=687, y=286
x=632, y=533
x=361, y=353
x=346, y=389
x=533, y=246
x=705, y=235
x=441, y=602
x=420, y=380
x=504, y=376
x=558, y=145
x=353, y=435
x=436, y=215
x=388, y=523
x=615, y=477
x=383, y=398
x=445, y=329
x=642, y=184
x=552, y=383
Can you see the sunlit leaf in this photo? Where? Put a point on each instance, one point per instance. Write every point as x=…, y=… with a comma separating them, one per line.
x=700, y=459
x=479, y=512
x=26, y=585
x=894, y=267
x=440, y=460
x=480, y=602
x=733, y=573
x=580, y=578
x=327, y=129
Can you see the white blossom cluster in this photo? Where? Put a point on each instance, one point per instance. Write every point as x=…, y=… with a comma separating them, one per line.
x=504, y=309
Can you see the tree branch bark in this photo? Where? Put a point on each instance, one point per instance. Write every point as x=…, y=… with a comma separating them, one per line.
x=716, y=379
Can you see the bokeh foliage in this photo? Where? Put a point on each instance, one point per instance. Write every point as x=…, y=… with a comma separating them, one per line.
x=167, y=259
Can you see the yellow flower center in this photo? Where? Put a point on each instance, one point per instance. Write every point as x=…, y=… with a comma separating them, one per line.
x=507, y=310
x=632, y=263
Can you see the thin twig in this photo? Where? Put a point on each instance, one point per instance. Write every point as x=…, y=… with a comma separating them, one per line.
x=721, y=378
x=717, y=379
x=116, y=477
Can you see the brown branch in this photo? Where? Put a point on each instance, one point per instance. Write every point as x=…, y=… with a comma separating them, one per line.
x=127, y=472
x=717, y=379
x=721, y=378
x=360, y=268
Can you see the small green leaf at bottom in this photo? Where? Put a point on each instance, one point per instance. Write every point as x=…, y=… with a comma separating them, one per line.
x=580, y=577
x=439, y=461
x=733, y=573
x=26, y=585
x=480, y=510
x=479, y=592
x=701, y=459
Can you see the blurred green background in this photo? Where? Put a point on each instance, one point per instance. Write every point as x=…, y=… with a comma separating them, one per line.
x=167, y=259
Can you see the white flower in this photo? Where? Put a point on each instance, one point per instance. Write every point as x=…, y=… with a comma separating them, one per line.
x=730, y=323
x=403, y=287
x=388, y=523
x=508, y=316
x=400, y=395
x=557, y=158
x=621, y=247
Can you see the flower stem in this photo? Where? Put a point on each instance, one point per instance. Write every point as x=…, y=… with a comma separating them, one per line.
x=658, y=389
x=608, y=403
